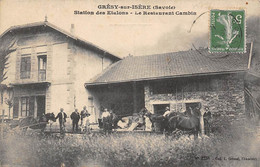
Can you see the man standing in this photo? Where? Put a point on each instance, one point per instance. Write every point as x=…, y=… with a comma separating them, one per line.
x=206, y=117
x=75, y=120
x=62, y=119
x=107, y=121
x=167, y=111
x=84, y=113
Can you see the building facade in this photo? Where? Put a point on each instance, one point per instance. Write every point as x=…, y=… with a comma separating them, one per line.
x=48, y=69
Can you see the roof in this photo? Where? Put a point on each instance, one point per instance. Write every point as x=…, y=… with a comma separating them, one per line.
x=170, y=65
x=47, y=24
x=254, y=73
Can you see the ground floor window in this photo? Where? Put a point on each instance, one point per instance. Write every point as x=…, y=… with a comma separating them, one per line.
x=28, y=106
x=192, y=107
x=160, y=108
x=25, y=106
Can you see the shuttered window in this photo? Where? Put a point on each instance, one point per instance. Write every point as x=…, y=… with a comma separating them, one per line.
x=31, y=105
x=25, y=67
x=16, y=107
x=25, y=106
x=42, y=65
x=2, y=97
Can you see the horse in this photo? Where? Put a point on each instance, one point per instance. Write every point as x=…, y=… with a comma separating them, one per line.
x=176, y=120
x=159, y=122
x=189, y=123
x=33, y=123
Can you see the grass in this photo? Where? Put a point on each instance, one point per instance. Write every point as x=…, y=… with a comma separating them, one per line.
x=131, y=149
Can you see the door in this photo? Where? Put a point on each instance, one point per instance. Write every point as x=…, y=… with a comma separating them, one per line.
x=40, y=105
x=192, y=107
x=16, y=107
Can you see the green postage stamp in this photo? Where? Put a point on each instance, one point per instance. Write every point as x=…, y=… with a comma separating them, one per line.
x=227, y=31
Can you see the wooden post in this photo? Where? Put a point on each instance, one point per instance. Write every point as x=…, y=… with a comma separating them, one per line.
x=134, y=97
x=202, y=111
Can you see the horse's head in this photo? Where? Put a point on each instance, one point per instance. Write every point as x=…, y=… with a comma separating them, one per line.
x=207, y=115
x=145, y=112
x=50, y=116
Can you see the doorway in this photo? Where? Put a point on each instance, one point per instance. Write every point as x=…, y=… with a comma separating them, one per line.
x=192, y=107
x=40, y=105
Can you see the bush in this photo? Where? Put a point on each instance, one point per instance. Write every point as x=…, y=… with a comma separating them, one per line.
x=130, y=149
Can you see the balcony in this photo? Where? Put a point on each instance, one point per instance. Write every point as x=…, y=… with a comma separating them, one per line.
x=29, y=77
x=41, y=75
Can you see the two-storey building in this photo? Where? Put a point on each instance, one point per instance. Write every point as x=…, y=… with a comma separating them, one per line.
x=48, y=69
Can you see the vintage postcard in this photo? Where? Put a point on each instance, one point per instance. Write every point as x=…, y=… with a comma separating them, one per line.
x=129, y=83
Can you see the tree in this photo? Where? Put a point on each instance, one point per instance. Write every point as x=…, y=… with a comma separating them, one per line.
x=6, y=47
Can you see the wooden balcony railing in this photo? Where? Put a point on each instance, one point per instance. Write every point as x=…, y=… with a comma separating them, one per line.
x=25, y=74
x=42, y=75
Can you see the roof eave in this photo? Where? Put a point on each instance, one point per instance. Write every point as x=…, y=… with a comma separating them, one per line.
x=39, y=24
x=164, y=77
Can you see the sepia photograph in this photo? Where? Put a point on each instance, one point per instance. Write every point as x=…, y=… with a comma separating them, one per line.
x=129, y=83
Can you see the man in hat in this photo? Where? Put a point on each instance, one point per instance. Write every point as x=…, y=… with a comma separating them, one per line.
x=167, y=112
x=107, y=121
x=206, y=117
x=75, y=120
x=62, y=119
x=83, y=114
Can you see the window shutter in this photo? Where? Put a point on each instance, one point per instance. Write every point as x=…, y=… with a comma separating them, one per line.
x=16, y=107
x=31, y=106
x=28, y=64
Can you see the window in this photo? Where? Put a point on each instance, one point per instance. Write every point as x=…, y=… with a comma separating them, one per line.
x=163, y=87
x=160, y=108
x=222, y=84
x=2, y=97
x=25, y=67
x=42, y=65
x=192, y=107
x=24, y=106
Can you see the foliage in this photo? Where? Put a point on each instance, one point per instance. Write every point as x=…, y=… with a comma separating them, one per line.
x=130, y=149
x=6, y=47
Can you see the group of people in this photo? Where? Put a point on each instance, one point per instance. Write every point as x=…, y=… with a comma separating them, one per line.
x=108, y=118
x=75, y=117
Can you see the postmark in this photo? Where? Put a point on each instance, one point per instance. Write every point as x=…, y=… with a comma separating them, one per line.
x=227, y=31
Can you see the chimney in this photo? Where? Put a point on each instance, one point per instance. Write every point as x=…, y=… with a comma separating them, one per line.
x=46, y=18
x=72, y=29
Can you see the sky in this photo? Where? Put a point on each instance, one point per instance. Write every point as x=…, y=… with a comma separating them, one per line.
x=123, y=35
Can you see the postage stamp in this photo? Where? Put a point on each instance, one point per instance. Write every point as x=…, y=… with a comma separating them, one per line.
x=227, y=31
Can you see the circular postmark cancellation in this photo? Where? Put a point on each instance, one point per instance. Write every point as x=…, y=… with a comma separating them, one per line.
x=227, y=31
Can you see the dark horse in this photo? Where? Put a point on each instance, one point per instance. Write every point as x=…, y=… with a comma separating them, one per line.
x=33, y=123
x=189, y=123
x=181, y=121
x=160, y=123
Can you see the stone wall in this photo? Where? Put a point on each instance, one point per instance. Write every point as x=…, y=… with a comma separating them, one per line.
x=226, y=100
